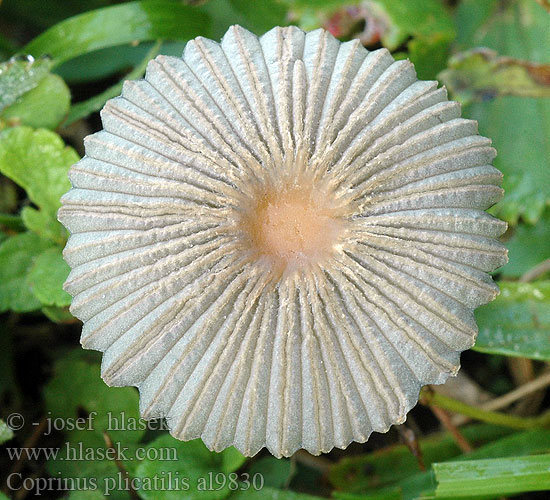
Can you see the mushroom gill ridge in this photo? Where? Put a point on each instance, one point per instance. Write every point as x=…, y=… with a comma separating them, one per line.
x=280, y=240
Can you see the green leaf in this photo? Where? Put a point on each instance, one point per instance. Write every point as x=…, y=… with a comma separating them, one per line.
x=527, y=247
x=202, y=470
x=502, y=476
x=5, y=432
x=276, y=472
x=117, y=25
x=86, y=495
x=430, y=26
x=58, y=314
x=77, y=387
x=91, y=463
x=517, y=323
x=481, y=73
x=17, y=256
x=270, y=494
x=262, y=15
x=19, y=75
x=518, y=29
x=77, y=392
x=232, y=459
x=424, y=18
x=44, y=106
x=38, y=161
x=223, y=15
x=44, y=224
x=47, y=276
x=95, y=103
x=429, y=54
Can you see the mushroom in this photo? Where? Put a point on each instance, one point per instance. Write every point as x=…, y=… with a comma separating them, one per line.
x=280, y=240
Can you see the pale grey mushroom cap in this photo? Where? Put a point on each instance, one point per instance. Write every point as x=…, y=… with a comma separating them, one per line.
x=380, y=252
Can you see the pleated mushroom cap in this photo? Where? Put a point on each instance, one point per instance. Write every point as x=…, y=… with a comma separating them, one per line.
x=280, y=240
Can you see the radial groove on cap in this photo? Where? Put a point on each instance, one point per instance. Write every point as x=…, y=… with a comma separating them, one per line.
x=317, y=352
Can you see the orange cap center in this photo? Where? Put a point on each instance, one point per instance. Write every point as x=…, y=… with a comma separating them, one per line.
x=292, y=228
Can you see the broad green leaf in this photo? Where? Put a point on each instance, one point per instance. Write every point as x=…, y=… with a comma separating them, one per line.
x=19, y=75
x=17, y=256
x=270, y=494
x=77, y=387
x=47, y=276
x=44, y=224
x=232, y=459
x=92, y=462
x=223, y=15
x=360, y=473
x=502, y=476
x=77, y=391
x=44, y=106
x=415, y=18
x=3, y=497
x=276, y=472
x=58, y=314
x=262, y=15
x=429, y=54
x=429, y=24
x=519, y=127
x=38, y=161
x=86, y=495
x=527, y=247
x=5, y=432
x=200, y=471
x=117, y=25
x=517, y=323
x=481, y=73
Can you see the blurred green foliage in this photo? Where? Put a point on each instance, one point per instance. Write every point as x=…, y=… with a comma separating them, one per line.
x=61, y=47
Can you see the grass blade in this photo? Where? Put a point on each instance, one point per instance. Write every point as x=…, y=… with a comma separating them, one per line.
x=501, y=476
x=117, y=25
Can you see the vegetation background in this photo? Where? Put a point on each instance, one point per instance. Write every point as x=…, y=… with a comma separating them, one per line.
x=485, y=436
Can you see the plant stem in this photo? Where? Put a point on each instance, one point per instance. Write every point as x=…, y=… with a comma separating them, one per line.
x=429, y=397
